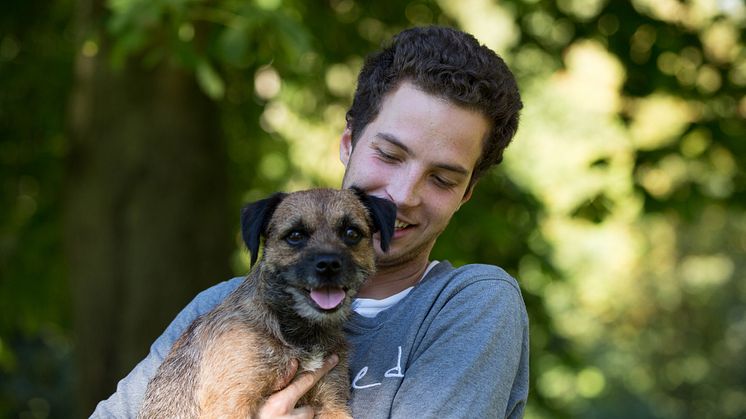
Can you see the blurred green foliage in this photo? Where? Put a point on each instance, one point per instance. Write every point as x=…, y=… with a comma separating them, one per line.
x=620, y=207
x=36, y=55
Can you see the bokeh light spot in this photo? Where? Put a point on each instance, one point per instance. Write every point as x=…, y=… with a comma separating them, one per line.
x=701, y=272
x=267, y=82
x=186, y=32
x=273, y=166
x=591, y=382
x=340, y=79
x=90, y=48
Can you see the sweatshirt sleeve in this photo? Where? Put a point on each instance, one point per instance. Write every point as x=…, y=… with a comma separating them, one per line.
x=473, y=358
x=125, y=402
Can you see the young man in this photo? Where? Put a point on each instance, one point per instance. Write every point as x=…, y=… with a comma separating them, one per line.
x=432, y=112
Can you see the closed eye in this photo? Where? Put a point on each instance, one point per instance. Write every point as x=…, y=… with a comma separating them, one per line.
x=444, y=183
x=386, y=157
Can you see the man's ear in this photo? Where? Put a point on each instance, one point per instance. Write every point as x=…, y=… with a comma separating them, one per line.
x=345, y=146
x=468, y=193
x=254, y=221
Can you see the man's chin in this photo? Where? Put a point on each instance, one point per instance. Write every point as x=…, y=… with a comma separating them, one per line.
x=393, y=253
x=399, y=255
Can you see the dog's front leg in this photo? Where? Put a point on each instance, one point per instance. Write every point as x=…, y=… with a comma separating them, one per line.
x=331, y=393
x=234, y=379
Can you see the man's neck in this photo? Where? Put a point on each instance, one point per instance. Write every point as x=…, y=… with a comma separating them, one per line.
x=391, y=280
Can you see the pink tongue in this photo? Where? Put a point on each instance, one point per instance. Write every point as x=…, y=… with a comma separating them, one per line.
x=327, y=298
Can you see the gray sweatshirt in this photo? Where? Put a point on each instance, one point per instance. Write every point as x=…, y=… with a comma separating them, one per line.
x=455, y=347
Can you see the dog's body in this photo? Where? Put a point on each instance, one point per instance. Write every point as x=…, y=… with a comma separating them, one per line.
x=318, y=251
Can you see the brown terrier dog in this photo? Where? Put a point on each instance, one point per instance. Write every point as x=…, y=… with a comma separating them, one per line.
x=318, y=250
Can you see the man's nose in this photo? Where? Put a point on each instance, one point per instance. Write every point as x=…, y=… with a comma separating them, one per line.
x=404, y=189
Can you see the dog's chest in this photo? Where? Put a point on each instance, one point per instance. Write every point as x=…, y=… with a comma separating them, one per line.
x=311, y=361
x=308, y=360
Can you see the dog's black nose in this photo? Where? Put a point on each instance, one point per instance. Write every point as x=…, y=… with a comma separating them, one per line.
x=328, y=265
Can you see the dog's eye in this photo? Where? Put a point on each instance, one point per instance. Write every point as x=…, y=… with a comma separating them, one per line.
x=351, y=236
x=295, y=238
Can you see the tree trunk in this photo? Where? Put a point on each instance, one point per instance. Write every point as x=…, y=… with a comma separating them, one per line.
x=145, y=212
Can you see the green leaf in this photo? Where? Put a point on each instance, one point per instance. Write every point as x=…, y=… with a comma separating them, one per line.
x=233, y=45
x=209, y=80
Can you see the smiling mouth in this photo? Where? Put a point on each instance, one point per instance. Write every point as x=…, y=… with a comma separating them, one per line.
x=400, y=225
x=327, y=298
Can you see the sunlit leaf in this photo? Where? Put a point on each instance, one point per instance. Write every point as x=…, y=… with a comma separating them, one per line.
x=209, y=80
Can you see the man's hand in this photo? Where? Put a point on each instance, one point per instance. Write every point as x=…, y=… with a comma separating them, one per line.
x=282, y=404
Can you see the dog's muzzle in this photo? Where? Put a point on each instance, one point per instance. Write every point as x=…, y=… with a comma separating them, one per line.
x=327, y=267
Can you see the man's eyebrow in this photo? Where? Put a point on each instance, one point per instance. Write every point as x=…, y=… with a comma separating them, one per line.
x=390, y=138
x=453, y=168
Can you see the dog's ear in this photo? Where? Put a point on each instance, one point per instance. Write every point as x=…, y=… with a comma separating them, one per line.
x=254, y=221
x=382, y=212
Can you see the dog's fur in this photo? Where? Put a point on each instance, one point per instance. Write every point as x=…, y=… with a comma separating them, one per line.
x=231, y=359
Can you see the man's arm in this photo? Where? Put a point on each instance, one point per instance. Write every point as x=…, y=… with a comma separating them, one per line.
x=473, y=360
x=125, y=402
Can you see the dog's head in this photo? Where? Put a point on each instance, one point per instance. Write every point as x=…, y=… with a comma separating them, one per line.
x=318, y=247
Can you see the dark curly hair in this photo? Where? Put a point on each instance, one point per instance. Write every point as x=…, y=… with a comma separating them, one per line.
x=448, y=63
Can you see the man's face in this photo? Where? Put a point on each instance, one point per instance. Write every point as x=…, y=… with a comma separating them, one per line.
x=419, y=152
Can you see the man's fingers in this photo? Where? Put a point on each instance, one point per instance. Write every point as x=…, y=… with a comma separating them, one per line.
x=302, y=383
x=282, y=403
x=303, y=412
x=287, y=376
